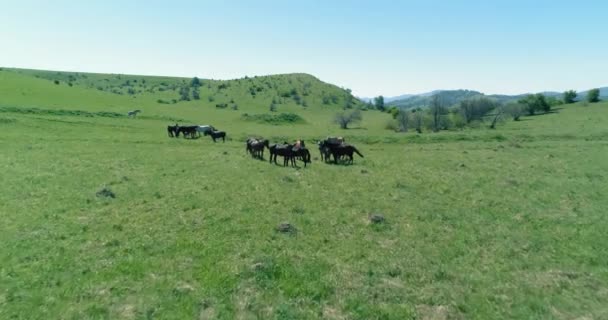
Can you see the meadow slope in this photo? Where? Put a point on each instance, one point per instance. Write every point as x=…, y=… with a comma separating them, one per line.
x=480, y=224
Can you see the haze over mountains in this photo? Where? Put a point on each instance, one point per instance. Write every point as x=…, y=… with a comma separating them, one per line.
x=455, y=96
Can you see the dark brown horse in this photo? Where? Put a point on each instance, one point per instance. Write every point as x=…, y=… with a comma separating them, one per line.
x=338, y=150
x=256, y=147
x=172, y=131
x=187, y=131
x=283, y=150
x=216, y=135
x=302, y=154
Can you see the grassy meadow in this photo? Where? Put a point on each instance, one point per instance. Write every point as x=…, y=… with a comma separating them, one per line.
x=480, y=224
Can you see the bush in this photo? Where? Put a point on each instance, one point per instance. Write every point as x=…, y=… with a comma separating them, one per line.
x=569, y=96
x=392, y=125
x=347, y=117
x=593, y=95
x=274, y=119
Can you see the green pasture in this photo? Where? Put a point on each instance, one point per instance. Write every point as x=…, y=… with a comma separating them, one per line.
x=479, y=224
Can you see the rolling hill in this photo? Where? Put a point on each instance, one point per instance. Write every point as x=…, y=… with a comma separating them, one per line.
x=287, y=92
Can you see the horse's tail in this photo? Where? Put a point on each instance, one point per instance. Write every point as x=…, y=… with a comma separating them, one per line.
x=307, y=157
x=357, y=151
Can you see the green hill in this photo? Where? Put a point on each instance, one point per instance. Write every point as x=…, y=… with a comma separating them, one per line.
x=287, y=92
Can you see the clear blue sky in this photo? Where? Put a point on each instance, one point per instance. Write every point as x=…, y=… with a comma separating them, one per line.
x=372, y=47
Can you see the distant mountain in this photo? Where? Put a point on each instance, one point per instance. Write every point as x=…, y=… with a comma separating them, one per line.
x=452, y=97
x=449, y=97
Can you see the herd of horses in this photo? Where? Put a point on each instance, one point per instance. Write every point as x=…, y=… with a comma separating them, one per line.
x=193, y=132
x=291, y=152
x=332, y=146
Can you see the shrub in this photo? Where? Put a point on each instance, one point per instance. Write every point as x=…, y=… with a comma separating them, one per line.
x=274, y=119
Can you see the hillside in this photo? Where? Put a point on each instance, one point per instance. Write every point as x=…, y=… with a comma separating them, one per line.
x=286, y=92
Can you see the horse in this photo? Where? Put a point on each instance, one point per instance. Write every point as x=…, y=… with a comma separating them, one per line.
x=204, y=128
x=284, y=150
x=133, y=113
x=302, y=153
x=172, y=131
x=344, y=150
x=187, y=131
x=256, y=147
x=324, y=150
x=216, y=135
x=338, y=148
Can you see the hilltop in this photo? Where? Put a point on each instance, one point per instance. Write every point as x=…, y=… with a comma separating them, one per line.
x=286, y=92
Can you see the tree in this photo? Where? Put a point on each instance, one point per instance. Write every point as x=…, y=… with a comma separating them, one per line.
x=417, y=120
x=515, y=110
x=403, y=120
x=196, y=95
x=476, y=108
x=196, y=82
x=184, y=93
x=535, y=103
x=593, y=95
x=273, y=107
x=437, y=111
x=347, y=117
x=379, y=103
x=497, y=117
x=569, y=96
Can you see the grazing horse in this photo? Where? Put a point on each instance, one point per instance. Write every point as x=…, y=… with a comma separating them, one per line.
x=284, y=150
x=216, y=135
x=172, y=131
x=256, y=147
x=133, y=113
x=187, y=131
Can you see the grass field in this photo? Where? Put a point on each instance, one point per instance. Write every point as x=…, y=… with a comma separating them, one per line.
x=480, y=224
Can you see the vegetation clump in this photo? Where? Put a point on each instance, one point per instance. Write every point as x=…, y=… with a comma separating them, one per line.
x=274, y=119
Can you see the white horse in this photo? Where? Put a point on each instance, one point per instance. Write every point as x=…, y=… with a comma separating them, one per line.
x=204, y=129
x=133, y=113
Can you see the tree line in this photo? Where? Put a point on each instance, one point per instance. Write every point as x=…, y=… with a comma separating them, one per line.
x=438, y=115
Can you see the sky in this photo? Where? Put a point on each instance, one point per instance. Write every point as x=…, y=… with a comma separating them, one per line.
x=374, y=48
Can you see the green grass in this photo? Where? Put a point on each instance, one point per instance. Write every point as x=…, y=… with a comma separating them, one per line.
x=480, y=224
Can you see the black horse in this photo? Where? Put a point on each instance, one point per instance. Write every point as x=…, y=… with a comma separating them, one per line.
x=256, y=147
x=344, y=150
x=173, y=131
x=216, y=135
x=187, y=131
x=302, y=154
x=283, y=150
x=337, y=150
